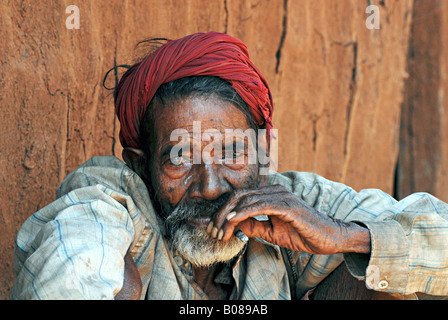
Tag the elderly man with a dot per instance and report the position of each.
(189, 216)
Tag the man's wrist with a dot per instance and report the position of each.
(355, 238)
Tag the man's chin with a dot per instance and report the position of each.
(201, 250)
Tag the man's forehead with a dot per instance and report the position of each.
(200, 109)
(197, 135)
(196, 117)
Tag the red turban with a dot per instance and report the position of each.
(200, 54)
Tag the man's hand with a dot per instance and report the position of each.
(132, 284)
(292, 223)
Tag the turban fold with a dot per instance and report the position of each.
(199, 54)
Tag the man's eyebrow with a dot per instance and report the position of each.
(168, 149)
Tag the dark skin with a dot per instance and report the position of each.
(292, 223)
(132, 284)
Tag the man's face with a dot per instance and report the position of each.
(194, 166)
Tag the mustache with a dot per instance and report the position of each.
(188, 209)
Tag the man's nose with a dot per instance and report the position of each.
(210, 183)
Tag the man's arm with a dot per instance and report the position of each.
(292, 223)
(406, 239)
(132, 283)
(74, 248)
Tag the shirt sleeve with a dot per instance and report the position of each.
(408, 240)
(74, 247)
(408, 237)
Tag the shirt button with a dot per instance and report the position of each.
(383, 284)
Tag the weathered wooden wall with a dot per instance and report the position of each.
(423, 158)
(339, 90)
(338, 87)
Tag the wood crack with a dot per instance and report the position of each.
(226, 19)
(353, 88)
(278, 54)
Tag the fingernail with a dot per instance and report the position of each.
(210, 227)
(231, 215)
(220, 234)
(214, 232)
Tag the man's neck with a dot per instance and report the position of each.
(204, 277)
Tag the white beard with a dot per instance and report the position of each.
(200, 249)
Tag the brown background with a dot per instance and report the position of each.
(364, 107)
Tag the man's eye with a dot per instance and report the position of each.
(236, 154)
(177, 161)
(232, 156)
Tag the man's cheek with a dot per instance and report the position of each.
(246, 178)
(164, 190)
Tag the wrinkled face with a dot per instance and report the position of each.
(198, 158)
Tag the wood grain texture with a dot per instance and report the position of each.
(423, 159)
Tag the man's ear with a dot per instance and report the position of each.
(134, 159)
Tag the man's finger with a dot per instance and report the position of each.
(250, 227)
(245, 198)
(251, 217)
(231, 205)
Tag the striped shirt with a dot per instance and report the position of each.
(74, 247)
